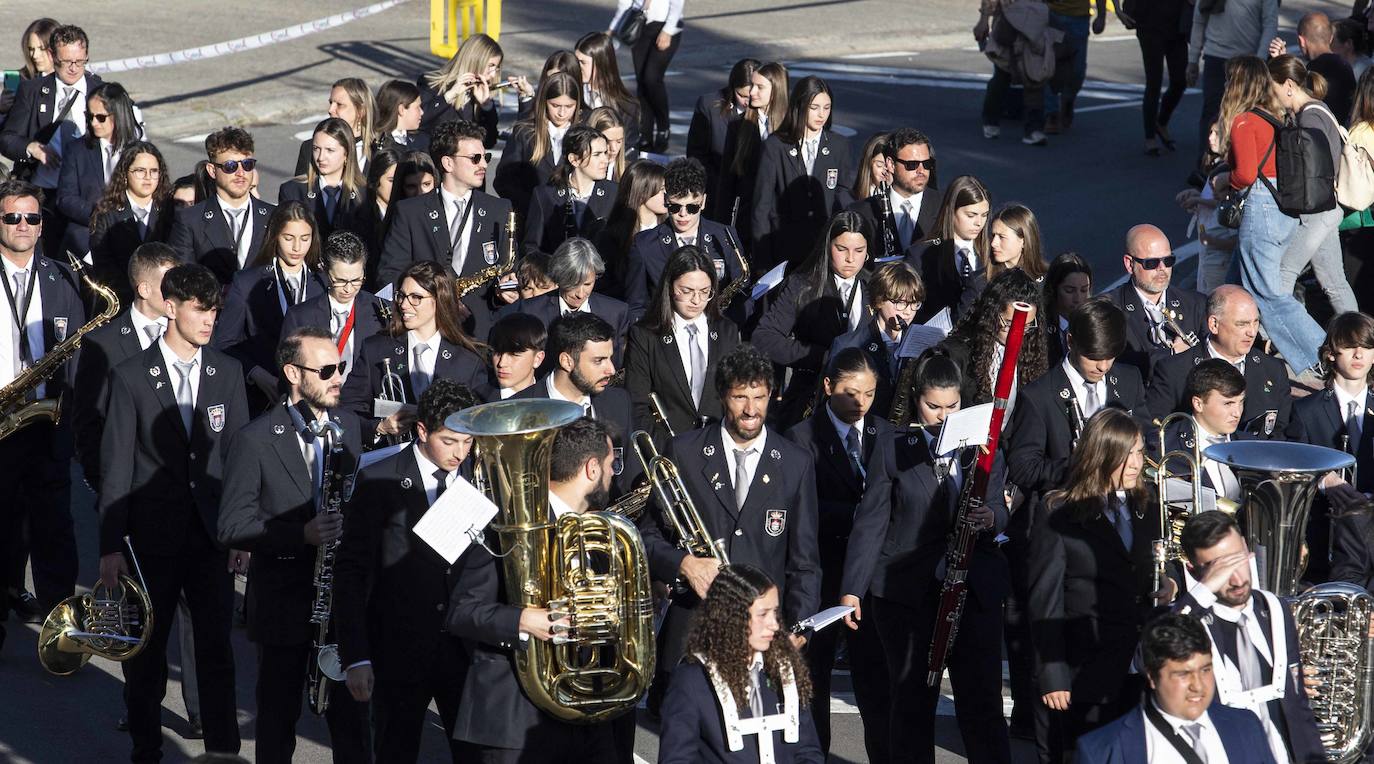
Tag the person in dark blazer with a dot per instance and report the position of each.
(1150, 301)
(721, 699)
(392, 590)
(350, 100)
(756, 493)
(276, 506)
(1068, 284)
(225, 231)
(953, 260)
(913, 198)
(1092, 579)
(423, 343)
(372, 221)
(1178, 713)
(517, 352)
(399, 114)
(1216, 393)
(823, 299)
(894, 295)
(674, 350)
(461, 90)
(712, 116)
(684, 188)
(348, 312)
(332, 187)
(575, 267)
(286, 272)
(135, 208)
(744, 138)
(843, 436)
(803, 177)
(535, 146)
(892, 577)
(29, 126)
(1232, 326)
(172, 412)
(1224, 595)
(456, 225)
(577, 200)
(1352, 536)
(88, 165)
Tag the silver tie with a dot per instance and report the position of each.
(1352, 426)
(185, 400)
(1090, 402)
(242, 241)
(810, 156)
(20, 338)
(1251, 675)
(698, 360)
(69, 95)
(741, 477)
(455, 232)
(423, 374)
(1194, 734)
(340, 319)
(153, 332)
(964, 268)
(907, 224)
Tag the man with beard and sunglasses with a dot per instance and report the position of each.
(913, 197)
(1150, 300)
(223, 233)
(273, 506)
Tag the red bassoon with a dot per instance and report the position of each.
(964, 533)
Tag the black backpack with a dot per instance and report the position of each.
(1306, 169)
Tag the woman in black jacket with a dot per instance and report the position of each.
(639, 206)
(734, 194)
(953, 262)
(714, 113)
(87, 167)
(135, 208)
(577, 199)
(978, 343)
(332, 186)
(535, 146)
(462, 88)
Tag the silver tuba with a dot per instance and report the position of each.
(1333, 632)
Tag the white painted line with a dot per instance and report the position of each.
(1111, 94)
(889, 54)
(313, 119)
(304, 135)
(640, 759)
(192, 139)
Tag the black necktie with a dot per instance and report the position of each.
(442, 477)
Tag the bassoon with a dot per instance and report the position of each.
(964, 533)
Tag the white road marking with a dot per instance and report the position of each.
(313, 119)
(888, 54)
(193, 138)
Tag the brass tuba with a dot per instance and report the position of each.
(1333, 634)
(589, 567)
(112, 624)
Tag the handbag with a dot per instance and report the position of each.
(1232, 210)
(24, 169)
(631, 25)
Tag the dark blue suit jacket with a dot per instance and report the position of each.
(200, 234)
(650, 251)
(315, 312)
(347, 211)
(1123, 741)
(249, 327)
(1141, 351)
(36, 104)
(545, 308)
(79, 187)
(694, 730)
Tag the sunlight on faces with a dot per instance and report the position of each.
(1237, 589)
(577, 295)
(1352, 363)
(745, 408)
(970, 220)
(1184, 689)
(408, 116)
(760, 91)
(592, 369)
(764, 621)
(460, 166)
(190, 321)
(345, 280)
(911, 181)
(851, 396)
(316, 353)
(597, 161)
(588, 67)
(444, 447)
(232, 185)
(684, 221)
(899, 308)
(1234, 331)
(615, 144)
(492, 72)
(657, 203)
(22, 237)
(99, 120)
(39, 57)
(341, 107)
(1007, 245)
(69, 62)
(329, 155)
(1218, 413)
(516, 368)
(561, 110)
(742, 96)
(817, 113)
(691, 293)
(417, 306)
(935, 404)
(143, 177)
(1128, 474)
(1073, 291)
(293, 243)
(848, 253)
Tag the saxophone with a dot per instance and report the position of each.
(324, 654)
(16, 410)
(1333, 637)
(467, 284)
(728, 294)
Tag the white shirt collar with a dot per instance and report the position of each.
(586, 306)
(170, 358)
(1148, 300)
(842, 428)
(450, 199)
(680, 324)
(897, 199)
(401, 136)
(413, 341)
(556, 133)
(1076, 380)
(142, 322)
(555, 394)
(1212, 352)
(1343, 400)
(147, 209)
(731, 445)
(558, 506)
(230, 209)
(79, 86)
(11, 268)
(337, 307)
(427, 470)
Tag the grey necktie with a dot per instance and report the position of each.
(1247, 660)
(1194, 734)
(1090, 402)
(141, 217)
(755, 692)
(185, 399)
(423, 373)
(741, 477)
(153, 331)
(109, 162)
(698, 361)
(20, 340)
(239, 219)
(1156, 316)
(1228, 487)
(810, 150)
(68, 96)
(340, 320)
(907, 224)
(1352, 425)
(851, 447)
(455, 233)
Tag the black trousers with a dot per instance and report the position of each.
(201, 572)
(551, 743)
(282, 670)
(1032, 95)
(650, 66)
(1213, 85)
(38, 494)
(399, 706)
(975, 672)
(1156, 52)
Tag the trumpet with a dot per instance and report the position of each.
(692, 533)
(1171, 318)
(394, 390)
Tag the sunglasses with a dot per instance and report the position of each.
(13, 218)
(1151, 263)
(674, 208)
(233, 165)
(325, 372)
(476, 158)
(912, 164)
(101, 118)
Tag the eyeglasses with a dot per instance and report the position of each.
(145, 172)
(406, 298)
(233, 165)
(101, 118)
(476, 158)
(687, 293)
(1150, 263)
(325, 372)
(912, 164)
(13, 218)
(345, 283)
(73, 63)
(1005, 323)
(904, 304)
(674, 208)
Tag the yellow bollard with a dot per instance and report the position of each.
(453, 21)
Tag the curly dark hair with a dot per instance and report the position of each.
(441, 399)
(979, 331)
(115, 197)
(744, 365)
(684, 177)
(720, 634)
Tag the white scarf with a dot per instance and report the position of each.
(789, 721)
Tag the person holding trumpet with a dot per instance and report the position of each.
(1216, 397)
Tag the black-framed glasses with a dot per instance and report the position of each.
(345, 283)
(101, 118)
(674, 208)
(476, 158)
(233, 165)
(912, 164)
(325, 372)
(75, 62)
(407, 298)
(13, 218)
(905, 304)
(1150, 263)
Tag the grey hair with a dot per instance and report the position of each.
(573, 261)
(1222, 296)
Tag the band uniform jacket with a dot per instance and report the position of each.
(517, 176)
(545, 308)
(365, 381)
(250, 325)
(201, 234)
(653, 364)
(416, 142)
(839, 487)
(420, 231)
(114, 237)
(269, 496)
(792, 206)
(1141, 350)
(547, 224)
(1179, 436)
(869, 338)
(649, 253)
(1267, 398)
(1122, 741)
(871, 210)
(391, 590)
(902, 526)
(157, 484)
(774, 530)
(694, 729)
(437, 110)
(733, 193)
(706, 143)
(1291, 714)
(63, 314)
(348, 210)
(80, 184)
(1352, 548)
(367, 320)
(935, 260)
(611, 406)
(37, 102)
(101, 350)
(1089, 596)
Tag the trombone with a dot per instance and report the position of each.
(1174, 514)
(692, 533)
(632, 504)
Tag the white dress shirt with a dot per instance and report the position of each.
(460, 251)
(141, 212)
(558, 506)
(77, 115)
(970, 254)
(33, 323)
(1212, 353)
(585, 307)
(169, 358)
(667, 11)
(431, 483)
(1158, 750)
(1343, 400)
(585, 401)
(681, 339)
(1224, 481)
(245, 218)
(1077, 382)
(751, 462)
(896, 200)
(109, 157)
(141, 324)
(556, 140)
(855, 304)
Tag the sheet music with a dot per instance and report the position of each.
(1181, 491)
(383, 408)
(916, 339)
(385, 292)
(942, 321)
(965, 427)
(452, 523)
(768, 280)
(377, 454)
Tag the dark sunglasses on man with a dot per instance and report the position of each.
(13, 218)
(1150, 263)
(674, 208)
(325, 372)
(233, 165)
(912, 164)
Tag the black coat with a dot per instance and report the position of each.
(80, 185)
(516, 175)
(1267, 397)
(158, 485)
(63, 313)
(651, 249)
(101, 350)
(1352, 549)
(348, 210)
(201, 234)
(364, 381)
(303, 156)
(268, 498)
(548, 224)
(791, 207)
(611, 406)
(734, 191)
(706, 143)
(250, 324)
(653, 364)
(367, 320)
(871, 210)
(417, 141)
(945, 287)
(545, 308)
(838, 488)
(436, 111)
(419, 231)
(115, 236)
(1141, 351)
(694, 730)
(869, 338)
(36, 104)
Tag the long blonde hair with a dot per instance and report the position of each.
(1247, 87)
(352, 176)
(361, 97)
(471, 58)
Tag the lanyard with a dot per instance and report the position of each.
(25, 349)
(282, 292)
(347, 328)
(1184, 749)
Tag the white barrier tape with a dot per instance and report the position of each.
(244, 43)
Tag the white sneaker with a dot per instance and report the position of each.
(1036, 138)
(991, 131)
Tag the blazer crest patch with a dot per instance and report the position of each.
(775, 522)
(215, 414)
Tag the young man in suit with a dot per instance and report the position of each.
(172, 410)
(1255, 652)
(497, 723)
(274, 505)
(42, 308)
(350, 313)
(1149, 300)
(1178, 718)
(1216, 397)
(457, 224)
(913, 196)
(1232, 326)
(895, 292)
(224, 233)
(392, 590)
(517, 351)
(575, 267)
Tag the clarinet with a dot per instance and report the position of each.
(889, 232)
(569, 215)
(1075, 419)
(324, 654)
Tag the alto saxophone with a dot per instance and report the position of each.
(467, 284)
(325, 666)
(16, 410)
(728, 294)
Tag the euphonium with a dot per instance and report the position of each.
(590, 567)
(112, 624)
(1333, 635)
(467, 284)
(324, 655)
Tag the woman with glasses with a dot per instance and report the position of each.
(89, 164)
(952, 261)
(895, 293)
(349, 312)
(349, 100)
(285, 272)
(423, 342)
(535, 147)
(577, 199)
(135, 208)
(333, 184)
(674, 348)
(978, 343)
